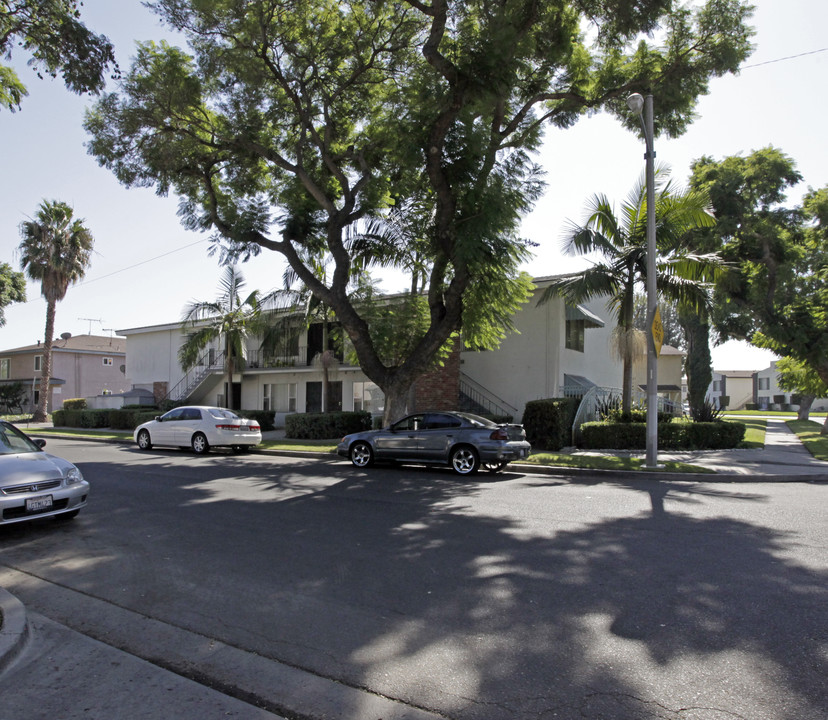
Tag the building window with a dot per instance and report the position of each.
(38, 363)
(575, 335)
(279, 397)
(5, 368)
(108, 362)
(717, 386)
(368, 397)
(764, 383)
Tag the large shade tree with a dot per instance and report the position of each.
(776, 294)
(620, 241)
(57, 41)
(289, 121)
(56, 250)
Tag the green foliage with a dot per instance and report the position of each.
(81, 418)
(130, 418)
(795, 376)
(548, 423)
(75, 404)
(706, 411)
(777, 292)
(282, 139)
(263, 417)
(58, 42)
(11, 396)
(671, 435)
(12, 289)
(323, 426)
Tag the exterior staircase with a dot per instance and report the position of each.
(194, 377)
(475, 398)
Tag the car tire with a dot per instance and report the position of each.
(199, 444)
(361, 454)
(495, 467)
(464, 460)
(144, 440)
(240, 449)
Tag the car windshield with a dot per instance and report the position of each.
(12, 441)
(222, 414)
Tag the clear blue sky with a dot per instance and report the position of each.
(147, 267)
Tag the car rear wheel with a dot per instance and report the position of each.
(496, 467)
(361, 454)
(464, 460)
(199, 444)
(144, 441)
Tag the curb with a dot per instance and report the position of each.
(14, 629)
(530, 469)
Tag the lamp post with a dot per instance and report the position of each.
(643, 107)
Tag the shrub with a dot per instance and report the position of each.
(74, 404)
(131, 418)
(751, 406)
(264, 417)
(724, 401)
(717, 435)
(325, 426)
(548, 423)
(81, 418)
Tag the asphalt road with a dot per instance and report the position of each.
(493, 598)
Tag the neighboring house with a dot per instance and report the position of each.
(731, 389)
(558, 350)
(82, 366)
(670, 373)
(769, 396)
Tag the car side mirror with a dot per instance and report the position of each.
(40, 442)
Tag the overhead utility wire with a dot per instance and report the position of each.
(790, 57)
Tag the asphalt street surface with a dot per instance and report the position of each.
(497, 597)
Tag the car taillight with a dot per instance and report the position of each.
(227, 427)
(499, 434)
(254, 428)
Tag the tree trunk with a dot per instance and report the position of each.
(41, 413)
(805, 403)
(698, 364)
(824, 430)
(396, 403)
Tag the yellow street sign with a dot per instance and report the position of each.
(658, 331)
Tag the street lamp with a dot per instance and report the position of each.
(643, 107)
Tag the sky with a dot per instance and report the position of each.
(146, 267)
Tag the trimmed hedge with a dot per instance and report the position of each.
(129, 419)
(548, 423)
(265, 418)
(325, 426)
(75, 404)
(81, 418)
(718, 435)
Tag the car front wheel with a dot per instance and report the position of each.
(200, 444)
(144, 441)
(361, 454)
(464, 460)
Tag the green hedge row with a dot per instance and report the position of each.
(325, 426)
(717, 435)
(548, 423)
(131, 418)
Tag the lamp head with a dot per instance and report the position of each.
(635, 102)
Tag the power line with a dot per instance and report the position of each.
(789, 57)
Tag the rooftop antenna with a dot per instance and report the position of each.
(91, 320)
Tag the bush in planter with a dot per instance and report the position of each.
(75, 404)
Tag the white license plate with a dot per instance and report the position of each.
(39, 503)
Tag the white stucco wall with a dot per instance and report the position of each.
(531, 364)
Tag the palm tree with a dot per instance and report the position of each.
(227, 318)
(56, 250)
(621, 240)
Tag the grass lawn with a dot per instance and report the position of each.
(808, 432)
(754, 432)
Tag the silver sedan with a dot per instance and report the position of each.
(35, 484)
(461, 440)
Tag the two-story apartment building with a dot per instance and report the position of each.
(557, 350)
(82, 366)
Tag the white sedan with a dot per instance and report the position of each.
(200, 428)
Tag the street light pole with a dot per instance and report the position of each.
(639, 104)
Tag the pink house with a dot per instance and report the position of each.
(82, 366)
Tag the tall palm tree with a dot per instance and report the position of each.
(621, 241)
(228, 318)
(56, 251)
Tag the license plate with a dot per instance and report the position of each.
(39, 503)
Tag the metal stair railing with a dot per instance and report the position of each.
(480, 400)
(194, 377)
